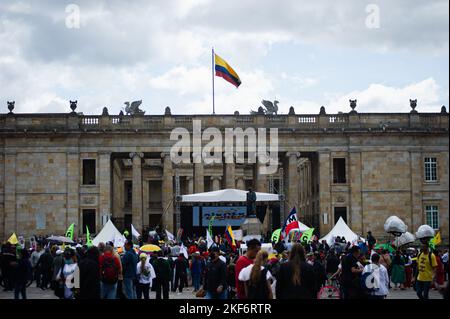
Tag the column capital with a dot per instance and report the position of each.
(133, 154)
(296, 154)
(216, 178)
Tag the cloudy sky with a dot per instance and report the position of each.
(302, 53)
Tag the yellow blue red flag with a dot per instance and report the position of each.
(224, 70)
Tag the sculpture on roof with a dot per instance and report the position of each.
(133, 109)
(268, 108)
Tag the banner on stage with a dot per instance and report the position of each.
(223, 216)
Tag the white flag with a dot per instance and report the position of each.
(170, 236)
(209, 240)
(184, 251)
(134, 232)
(119, 240)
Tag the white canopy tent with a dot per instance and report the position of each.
(341, 229)
(110, 233)
(227, 195)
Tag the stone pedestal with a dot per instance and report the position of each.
(252, 226)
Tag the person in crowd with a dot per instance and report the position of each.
(146, 274)
(324, 246)
(351, 273)
(231, 282)
(196, 270)
(90, 275)
(426, 267)
(57, 264)
(386, 261)
(440, 272)
(8, 257)
(162, 272)
(445, 262)
(109, 270)
(44, 268)
(67, 272)
(378, 280)
(129, 262)
(295, 278)
(253, 247)
(22, 271)
(398, 276)
(371, 241)
(180, 273)
(320, 275)
(408, 270)
(35, 255)
(257, 278)
(215, 283)
(332, 263)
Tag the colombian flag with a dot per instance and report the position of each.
(225, 71)
(230, 237)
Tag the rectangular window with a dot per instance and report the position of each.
(128, 187)
(339, 171)
(89, 220)
(430, 169)
(432, 214)
(89, 172)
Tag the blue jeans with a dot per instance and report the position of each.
(108, 291)
(422, 289)
(196, 281)
(221, 296)
(129, 288)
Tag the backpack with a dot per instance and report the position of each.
(109, 271)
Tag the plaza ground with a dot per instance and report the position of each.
(36, 293)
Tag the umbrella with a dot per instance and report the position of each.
(150, 248)
(386, 246)
(61, 239)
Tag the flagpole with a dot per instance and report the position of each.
(212, 71)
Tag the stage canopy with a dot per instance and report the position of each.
(342, 230)
(227, 195)
(110, 233)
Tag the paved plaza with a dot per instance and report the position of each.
(36, 293)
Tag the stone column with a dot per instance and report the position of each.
(10, 221)
(230, 172)
(199, 178)
(73, 193)
(215, 182)
(355, 214)
(240, 183)
(292, 182)
(190, 181)
(325, 192)
(136, 203)
(167, 193)
(105, 188)
(262, 184)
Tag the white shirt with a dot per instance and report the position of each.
(381, 279)
(149, 276)
(244, 275)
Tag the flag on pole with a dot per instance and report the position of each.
(170, 236)
(225, 71)
(306, 236)
(211, 221)
(69, 232)
(290, 224)
(230, 237)
(209, 240)
(88, 237)
(276, 235)
(134, 232)
(184, 251)
(436, 240)
(13, 239)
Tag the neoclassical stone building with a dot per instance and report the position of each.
(58, 169)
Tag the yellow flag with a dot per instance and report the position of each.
(13, 239)
(437, 239)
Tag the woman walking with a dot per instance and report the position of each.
(295, 277)
(257, 277)
(398, 276)
(146, 274)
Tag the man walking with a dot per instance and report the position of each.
(109, 266)
(162, 271)
(129, 263)
(426, 266)
(215, 283)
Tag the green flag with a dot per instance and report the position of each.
(88, 237)
(276, 235)
(69, 232)
(306, 236)
(210, 225)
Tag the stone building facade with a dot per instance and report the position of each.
(58, 169)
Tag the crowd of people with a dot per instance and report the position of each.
(290, 271)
